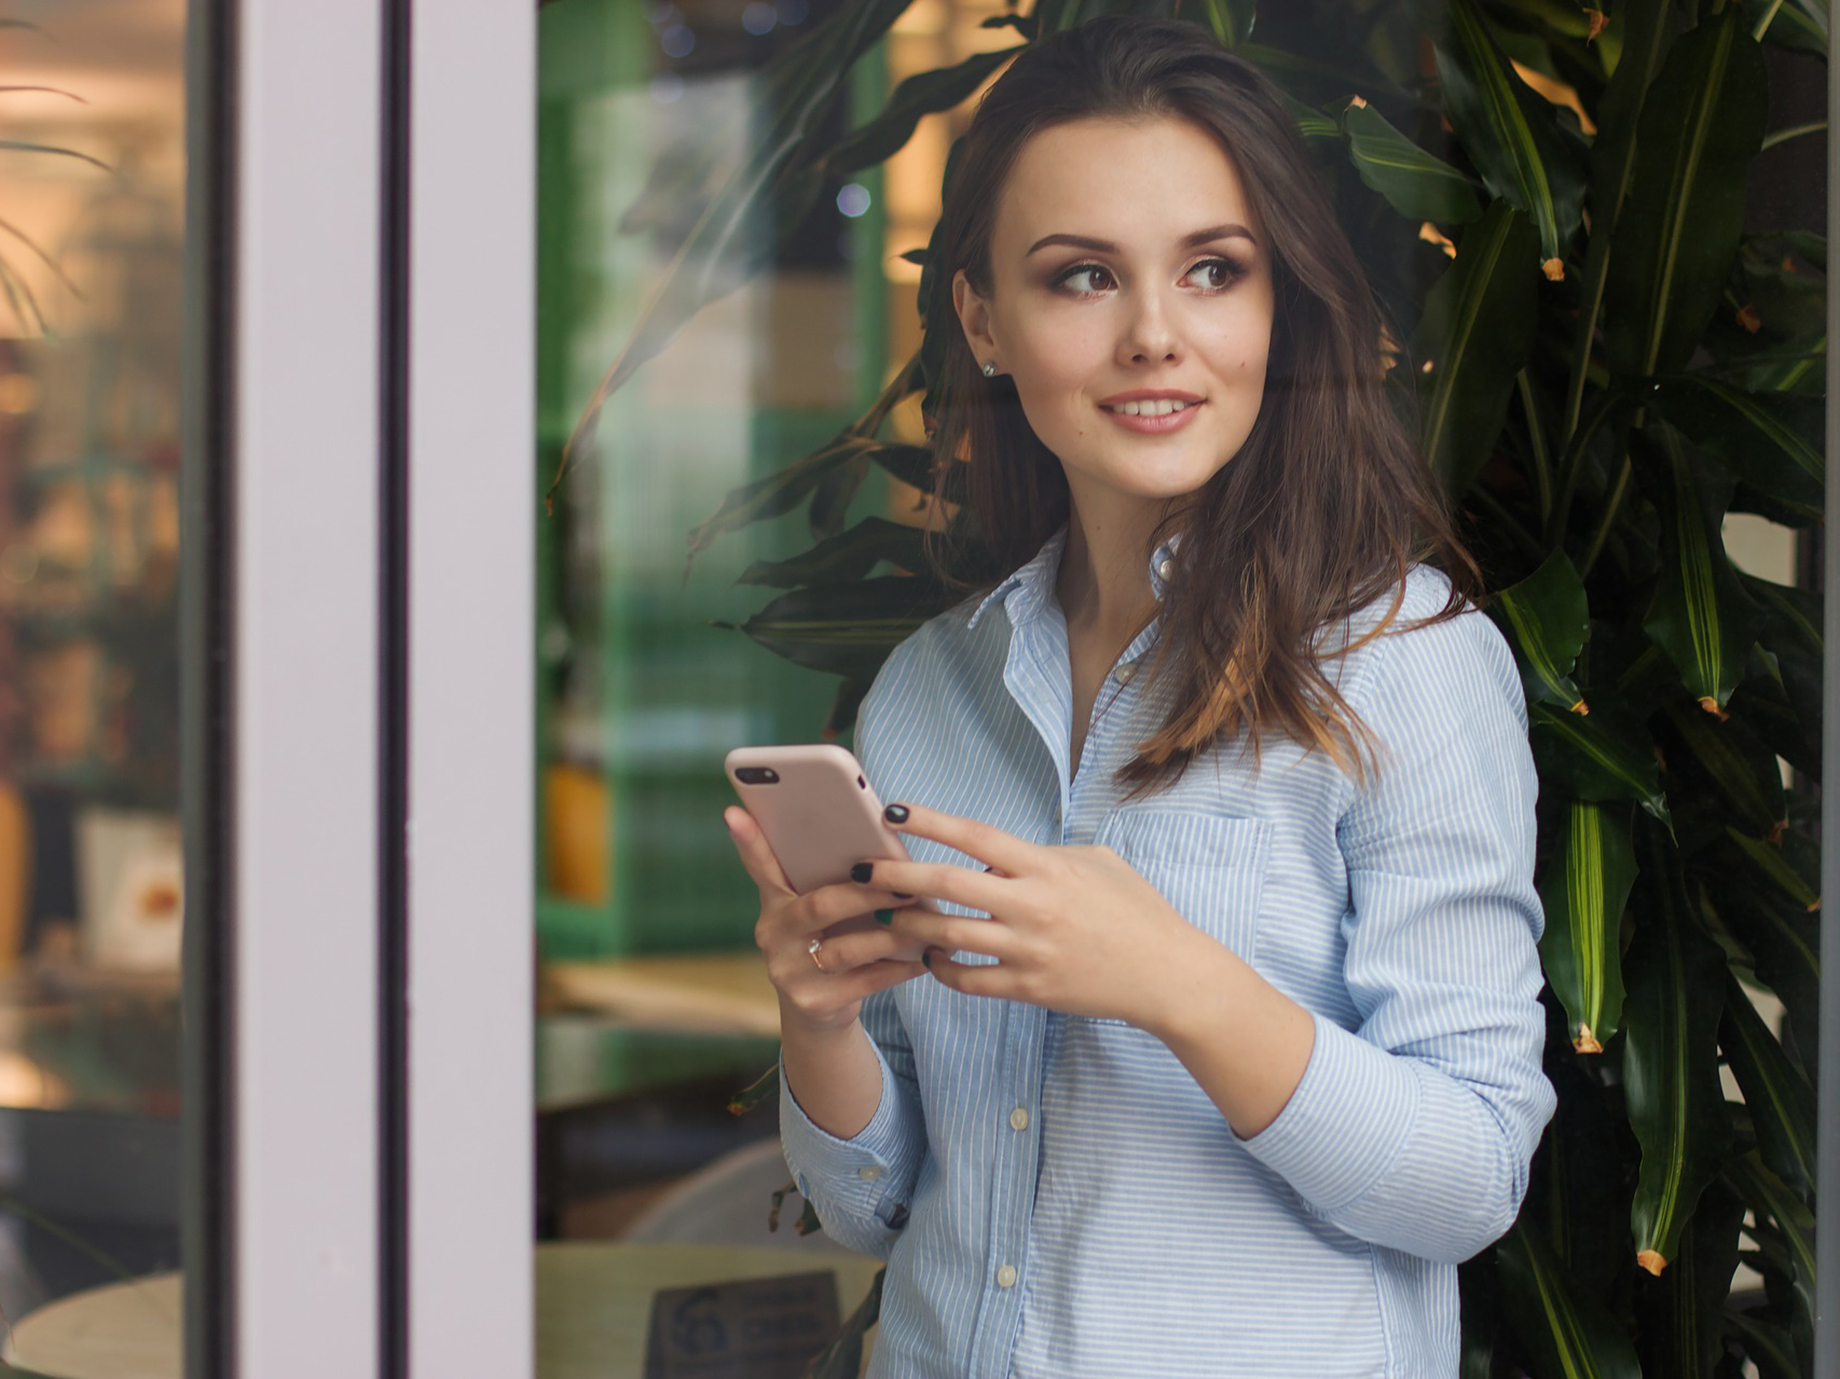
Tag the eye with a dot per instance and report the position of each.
(1216, 275)
(1085, 279)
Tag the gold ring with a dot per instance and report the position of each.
(816, 949)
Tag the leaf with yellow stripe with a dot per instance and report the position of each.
(1510, 132)
(1548, 619)
(1670, 1059)
(1569, 1334)
(1675, 241)
(1701, 616)
(1584, 889)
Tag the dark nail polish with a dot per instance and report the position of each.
(884, 916)
(895, 813)
(861, 872)
(926, 959)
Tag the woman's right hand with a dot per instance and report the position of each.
(859, 955)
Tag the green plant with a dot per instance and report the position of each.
(1608, 364)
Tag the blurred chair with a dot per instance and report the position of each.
(727, 1203)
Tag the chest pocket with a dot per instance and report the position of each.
(1210, 870)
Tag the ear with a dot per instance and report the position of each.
(974, 316)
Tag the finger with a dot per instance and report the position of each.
(973, 979)
(828, 906)
(991, 846)
(823, 995)
(756, 854)
(860, 948)
(955, 933)
(975, 890)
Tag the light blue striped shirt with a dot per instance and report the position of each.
(1055, 1195)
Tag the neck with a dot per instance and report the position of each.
(1104, 583)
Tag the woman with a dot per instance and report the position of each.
(1226, 1049)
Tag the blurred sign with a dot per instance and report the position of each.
(761, 1328)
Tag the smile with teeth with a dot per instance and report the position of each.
(1155, 407)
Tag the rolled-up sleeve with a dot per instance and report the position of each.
(1415, 1129)
(861, 1186)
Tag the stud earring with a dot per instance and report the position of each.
(990, 370)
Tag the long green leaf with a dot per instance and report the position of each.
(779, 492)
(1571, 1335)
(1645, 39)
(1670, 1065)
(1680, 1321)
(1584, 889)
(926, 93)
(1475, 335)
(846, 629)
(1548, 620)
(1780, 1100)
(1603, 757)
(1769, 1197)
(1509, 131)
(1769, 860)
(1772, 440)
(1737, 765)
(1701, 616)
(846, 556)
(1414, 183)
(1678, 234)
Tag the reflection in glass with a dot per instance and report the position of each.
(90, 886)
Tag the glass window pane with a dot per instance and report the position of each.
(90, 884)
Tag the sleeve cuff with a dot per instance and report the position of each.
(1345, 1125)
(867, 1176)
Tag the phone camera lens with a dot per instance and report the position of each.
(757, 775)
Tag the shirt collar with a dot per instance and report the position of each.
(1033, 584)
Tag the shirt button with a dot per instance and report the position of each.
(1165, 569)
(1124, 672)
(1019, 1118)
(869, 1174)
(1006, 1276)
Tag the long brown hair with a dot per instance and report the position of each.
(1324, 508)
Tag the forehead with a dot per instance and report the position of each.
(1128, 181)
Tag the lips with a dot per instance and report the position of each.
(1151, 411)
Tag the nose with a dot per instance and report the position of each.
(1148, 336)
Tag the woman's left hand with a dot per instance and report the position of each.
(1074, 929)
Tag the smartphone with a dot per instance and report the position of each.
(816, 808)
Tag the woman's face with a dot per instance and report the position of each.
(1131, 304)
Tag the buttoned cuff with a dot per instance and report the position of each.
(868, 1177)
(1345, 1125)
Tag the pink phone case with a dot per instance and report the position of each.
(816, 808)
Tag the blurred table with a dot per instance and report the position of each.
(703, 993)
(593, 1303)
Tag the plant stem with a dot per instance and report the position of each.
(1536, 433)
(1782, 136)
(1763, 24)
(1573, 464)
(1611, 509)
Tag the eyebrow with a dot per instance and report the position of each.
(1102, 246)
